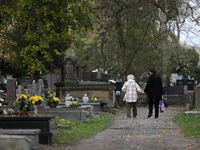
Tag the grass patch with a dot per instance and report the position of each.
(190, 124)
(178, 105)
(71, 131)
(122, 109)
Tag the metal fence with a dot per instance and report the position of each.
(176, 100)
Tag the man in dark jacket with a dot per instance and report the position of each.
(154, 90)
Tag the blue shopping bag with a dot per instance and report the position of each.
(165, 103)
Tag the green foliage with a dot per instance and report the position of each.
(87, 52)
(42, 30)
(189, 124)
(183, 61)
(72, 131)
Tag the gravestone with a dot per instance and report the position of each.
(20, 90)
(190, 84)
(40, 87)
(26, 91)
(30, 89)
(11, 92)
(35, 88)
(180, 82)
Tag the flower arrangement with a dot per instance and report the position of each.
(3, 96)
(94, 99)
(1, 110)
(36, 100)
(112, 83)
(51, 98)
(75, 104)
(23, 102)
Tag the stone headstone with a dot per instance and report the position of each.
(20, 90)
(11, 92)
(40, 87)
(30, 89)
(187, 107)
(26, 91)
(35, 89)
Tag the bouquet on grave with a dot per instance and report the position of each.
(23, 102)
(36, 100)
(3, 96)
(51, 98)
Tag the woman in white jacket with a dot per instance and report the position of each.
(131, 88)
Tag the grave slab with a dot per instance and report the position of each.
(31, 134)
(192, 112)
(14, 142)
(32, 122)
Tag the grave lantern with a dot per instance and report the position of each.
(85, 98)
(68, 100)
(198, 74)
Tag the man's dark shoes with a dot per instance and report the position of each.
(149, 116)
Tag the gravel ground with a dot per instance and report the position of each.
(141, 133)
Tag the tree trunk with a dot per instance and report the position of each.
(35, 76)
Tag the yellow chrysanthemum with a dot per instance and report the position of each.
(1, 91)
(24, 96)
(75, 102)
(95, 99)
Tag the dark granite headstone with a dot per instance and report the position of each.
(11, 92)
(190, 84)
(180, 82)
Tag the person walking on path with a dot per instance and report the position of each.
(154, 90)
(131, 88)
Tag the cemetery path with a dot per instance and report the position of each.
(142, 133)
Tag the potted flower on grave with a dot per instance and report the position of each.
(1, 111)
(24, 104)
(36, 100)
(53, 102)
(94, 99)
(3, 97)
(75, 103)
(112, 83)
(50, 98)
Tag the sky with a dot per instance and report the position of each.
(192, 35)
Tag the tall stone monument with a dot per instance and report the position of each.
(69, 84)
(11, 92)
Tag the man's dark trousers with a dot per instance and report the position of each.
(156, 103)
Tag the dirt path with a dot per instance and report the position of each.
(142, 133)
